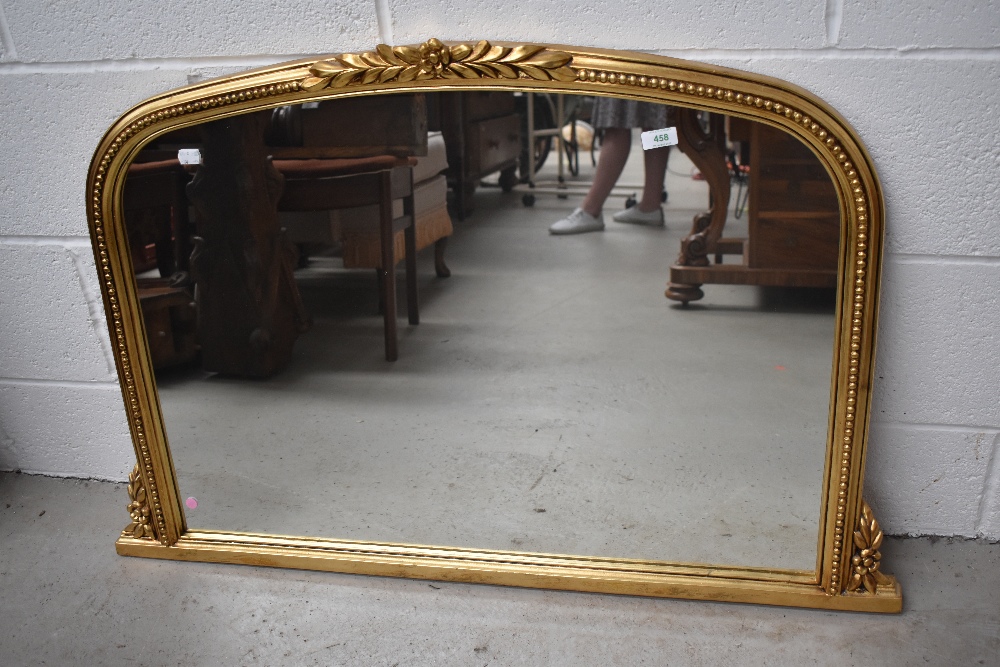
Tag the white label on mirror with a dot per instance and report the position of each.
(189, 156)
(659, 138)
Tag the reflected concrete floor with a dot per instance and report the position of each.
(551, 400)
(67, 599)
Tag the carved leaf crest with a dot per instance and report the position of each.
(866, 561)
(138, 507)
(434, 60)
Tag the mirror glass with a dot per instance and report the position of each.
(551, 398)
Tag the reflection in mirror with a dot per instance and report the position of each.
(543, 396)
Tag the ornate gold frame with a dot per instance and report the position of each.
(847, 574)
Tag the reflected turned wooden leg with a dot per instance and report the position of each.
(388, 268)
(412, 307)
(440, 268)
(378, 287)
(410, 237)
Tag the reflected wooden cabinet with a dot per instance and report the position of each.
(793, 209)
(793, 218)
(482, 131)
(351, 128)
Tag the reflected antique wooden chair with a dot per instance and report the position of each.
(334, 184)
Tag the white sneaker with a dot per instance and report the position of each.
(634, 216)
(578, 222)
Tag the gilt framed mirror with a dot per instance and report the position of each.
(671, 409)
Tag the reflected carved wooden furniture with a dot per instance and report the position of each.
(794, 214)
(324, 185)
(249, 308)
(156, 217)
(482, 131)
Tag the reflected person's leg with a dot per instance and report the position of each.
(655, 163)
(649, 210)
(614, 153)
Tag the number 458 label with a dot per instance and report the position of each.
(659, 138)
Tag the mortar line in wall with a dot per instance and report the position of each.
(181, 64)
(954, 428)
(96, 310)
(384, 17)
(991, 489)
(146, 64)
(61, 384)
(837, 53)
(73, 476)
(834, 18)
(6, 38)
(916, 258)
(64, 241)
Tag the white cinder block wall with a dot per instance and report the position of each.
(916, 78)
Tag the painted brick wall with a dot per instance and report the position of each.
(916, 78)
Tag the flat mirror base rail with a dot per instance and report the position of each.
(789, 588)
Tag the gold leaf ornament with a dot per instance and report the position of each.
(138, 507)
(408, 54)
(522, 53)
(506, 71)
(551, 60)
(322, 68)
(480, 49)
(460, 51)
(495, 53)
(867, 557)
(386, 53)
(353, 61)
(434, 60)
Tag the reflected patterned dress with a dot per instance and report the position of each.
(614, 112)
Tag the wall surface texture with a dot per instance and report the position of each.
(917, 79)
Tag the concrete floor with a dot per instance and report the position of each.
(67, 599)
(551, 400)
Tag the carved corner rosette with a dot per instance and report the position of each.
(435, 60)
(138, 508)
(867, 558)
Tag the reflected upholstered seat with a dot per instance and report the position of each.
(347, 183)
(355, 230)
